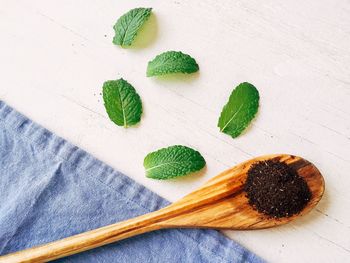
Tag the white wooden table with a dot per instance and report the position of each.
(55, 56)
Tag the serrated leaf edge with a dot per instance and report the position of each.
(125, 124)
(148, 74)
(169, 163)
(226, 105)
(132, 39)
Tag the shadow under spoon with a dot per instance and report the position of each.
(221, 203)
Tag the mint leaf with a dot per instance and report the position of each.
(122, 103)
(129, 24)
(240, 109)
(171, 62)
(172, 162)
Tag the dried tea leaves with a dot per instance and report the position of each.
(275, 189)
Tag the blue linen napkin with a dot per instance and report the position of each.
(51, 189)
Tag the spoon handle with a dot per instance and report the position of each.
(87, 240)
(166, 217)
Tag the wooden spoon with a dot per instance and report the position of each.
(220, 203)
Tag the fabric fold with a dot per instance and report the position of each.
(51, 189)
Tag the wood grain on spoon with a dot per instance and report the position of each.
(221, 203)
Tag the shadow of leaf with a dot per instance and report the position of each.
(147, 34)
(177, 78)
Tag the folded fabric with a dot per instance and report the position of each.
(51, 189)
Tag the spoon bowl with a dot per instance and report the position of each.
(221, 203)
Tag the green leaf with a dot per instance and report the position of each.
(171, 62)
(172, 162)
(240, 110)
(122, 103)
(129, 24)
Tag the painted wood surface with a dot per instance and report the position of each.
(55, 56)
